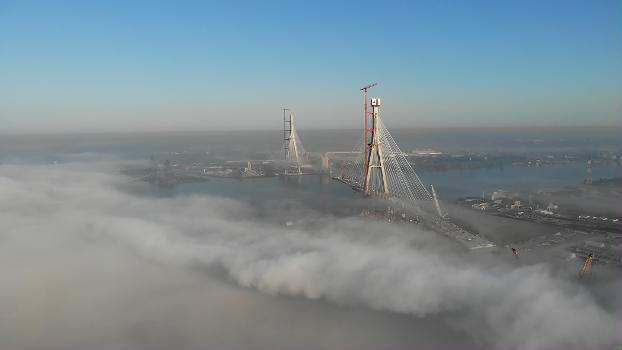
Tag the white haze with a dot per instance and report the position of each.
(87, 262)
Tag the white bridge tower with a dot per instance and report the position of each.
(292, 147)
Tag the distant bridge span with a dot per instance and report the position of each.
(327, 156)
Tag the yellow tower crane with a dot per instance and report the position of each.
(586, 266)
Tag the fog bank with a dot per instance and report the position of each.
(88, 262)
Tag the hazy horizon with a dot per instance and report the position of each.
(78, 67)
(587, 127)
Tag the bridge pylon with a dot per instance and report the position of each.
(384, 170)
(292, 147)
(374, 162)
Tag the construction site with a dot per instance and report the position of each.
(379, 170)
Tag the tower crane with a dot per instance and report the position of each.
(586, 266)
(515, 252)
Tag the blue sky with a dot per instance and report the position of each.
(132, 66)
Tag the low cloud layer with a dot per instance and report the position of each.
(86, 261)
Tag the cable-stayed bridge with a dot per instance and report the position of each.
(377, 167)
(293, 151)
(382, 169)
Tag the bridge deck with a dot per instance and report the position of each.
(446, 227)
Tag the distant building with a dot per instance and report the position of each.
(544, 212)
(552, 206)
(499, 194)
(480, 206)
(426, 153)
